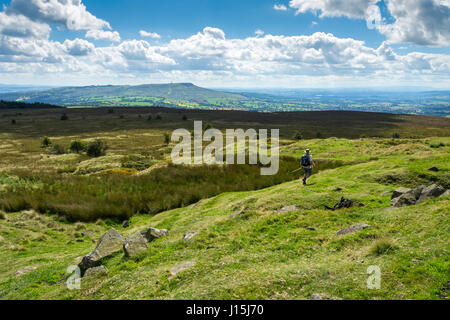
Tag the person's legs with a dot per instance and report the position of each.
(308, 173)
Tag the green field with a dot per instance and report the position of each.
(247, 247)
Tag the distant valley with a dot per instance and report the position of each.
(190, 96)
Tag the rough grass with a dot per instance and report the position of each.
(261, 253)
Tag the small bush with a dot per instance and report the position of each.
(57, 149)
(166, 138)
(396, 135)
(77, 146)
(382, 247)
(319, 135)
(64, 117)
(159, 116)
(298, 136)
(46, 142)
(437, 145)
(96, 148)
(13, 121)
(2, 215)
(185, 118)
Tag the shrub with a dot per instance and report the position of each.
(57, 149)
(159, 116)
(64, 117)
(437, 145)
(13, 121)
(96, 148)
(46, 142)
(185, 118)
(382, 247)
(298, 136)
(166, 138)
(319, 135)
(396, 135)
(77, 146)
(2, 215)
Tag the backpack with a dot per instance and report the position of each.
(306, 160)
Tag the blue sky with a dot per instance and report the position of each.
(305, 43)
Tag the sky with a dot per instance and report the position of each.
(227, 43)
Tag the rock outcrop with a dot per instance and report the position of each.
(101, 270)
(135, 244)
(353, 229)
(402, 197)
(110, 243)
(188, 236)
(153, 233)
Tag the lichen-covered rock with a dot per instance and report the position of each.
(399, 192)
(407, 199)
(189, 236)
(111, 242)
(101, 270)
(153, 233)
(352, 229)
(135, 244)
(431, 192)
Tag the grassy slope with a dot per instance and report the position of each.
(262, 253)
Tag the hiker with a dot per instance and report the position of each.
(308, 165)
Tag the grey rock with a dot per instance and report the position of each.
(135, 244)
(316, 296)
(236, 214)
(431, 192)
(88, 234)
(407, 199)
(24, 271)
(110, 243)
(353, 229)
(153, 233)
(447, 193)
(101, 270)
(181, 267)
(125, 224)
(418, 191)
(386, 193)
(288, 209)
(399, 192)
(189, 236)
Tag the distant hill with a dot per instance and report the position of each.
(144, 95)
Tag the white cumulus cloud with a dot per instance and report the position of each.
(113, 36)
(147, 34)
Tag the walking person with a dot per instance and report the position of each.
(307, 165)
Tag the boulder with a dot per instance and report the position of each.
(189, 236)
(110, 243)
(24, 271)
(125, 224)
(399, 192)
(288, 209)
(407, 199)
(135, 244)
(431, 192)
(352, 229)
(101, 270)
(418, 191)
(153, 233)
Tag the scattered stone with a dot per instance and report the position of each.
(434, 169)
(181, 267)
(344, 203)
(430, 192)
(125, 224)
(407, 199)
(288, 209)
(399, 192)
(24, 271)
(316, 296)
(236, 214)
(110, 243)
(101, 270)
(88, 234)
(338, 189)
(386, 193)
(135, 244)
(153, 233)
(353, 229)
(189, 236)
